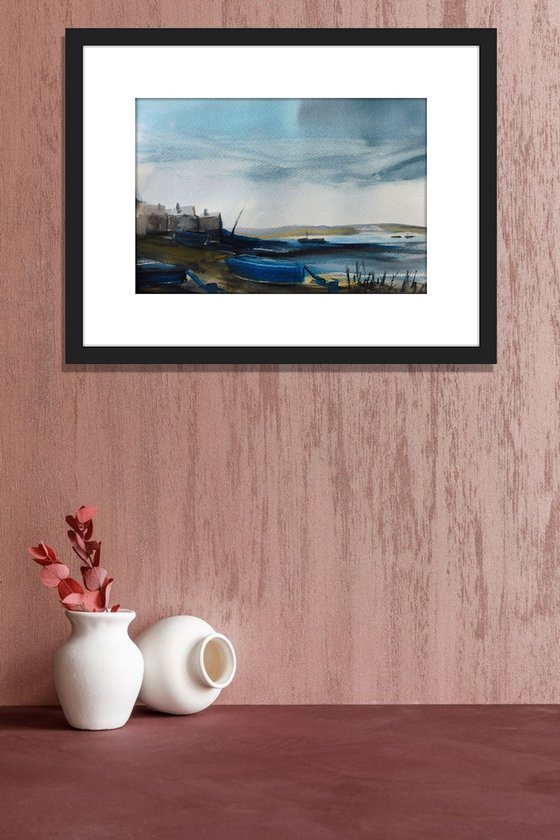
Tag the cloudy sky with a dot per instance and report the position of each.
(286, 161)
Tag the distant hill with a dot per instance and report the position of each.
(329, 230)
(395, 228)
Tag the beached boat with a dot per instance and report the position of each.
(154, 273)
(263, 270)
(226, 240)
(314, 240)
(209, 288)
(197, 239)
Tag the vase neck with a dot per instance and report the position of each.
(87, 623)
(217, 661)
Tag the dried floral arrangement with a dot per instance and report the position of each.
(93, 596)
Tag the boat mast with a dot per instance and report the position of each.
(235, 225)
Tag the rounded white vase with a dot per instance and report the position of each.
(186, 665)
(98, 670)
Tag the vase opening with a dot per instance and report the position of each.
(217, 660)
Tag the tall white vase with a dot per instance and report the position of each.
(186, 665)
(98, 670)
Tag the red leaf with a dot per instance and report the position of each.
(43, 554)
(116, 608)
(92, 545)
(85, 514)
(88, 530)
(53, 574)
(80, 556)
(77, 540)
(74, 601)
(94, 601)
(95, 578)
(107, 592)
(69, 586)
(78, 545)
(39, 555)
(70, 520)
(51, 553)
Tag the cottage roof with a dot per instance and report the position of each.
(185, 210)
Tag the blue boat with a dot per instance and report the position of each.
(263, 270)
(154, 273)
(209, 288)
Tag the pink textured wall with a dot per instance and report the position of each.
(364, 535)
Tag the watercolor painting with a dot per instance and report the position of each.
(262, 196)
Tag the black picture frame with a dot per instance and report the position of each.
(75, 350)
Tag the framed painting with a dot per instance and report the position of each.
(281, 197)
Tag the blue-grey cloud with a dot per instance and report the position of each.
(330, 141)
(406, 170)
(269, 172)
(377, 121)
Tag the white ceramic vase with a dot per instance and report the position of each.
(98, 670)
(186, 665)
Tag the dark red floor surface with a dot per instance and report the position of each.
(382, 772)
